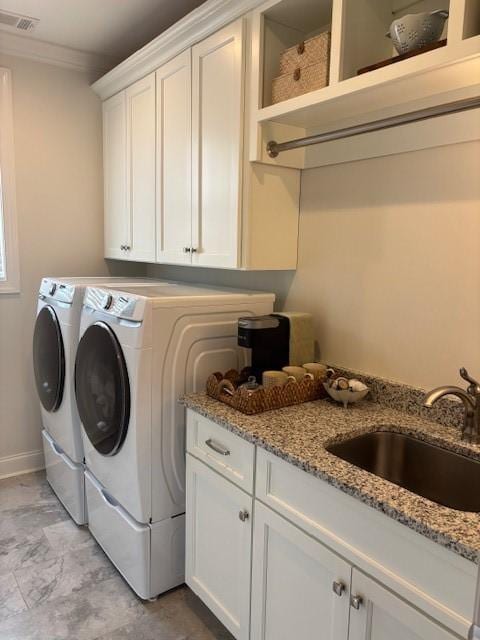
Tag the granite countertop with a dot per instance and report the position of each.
(299, 435)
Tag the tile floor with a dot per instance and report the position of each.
(57, 584)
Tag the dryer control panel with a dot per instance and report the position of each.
(56, 290)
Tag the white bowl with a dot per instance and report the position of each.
(417, 30)
(345, 396)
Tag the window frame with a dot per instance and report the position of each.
(11, 284)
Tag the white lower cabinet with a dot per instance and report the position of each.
(378, 614)
(305, 570)
(300, 589)
(218, 545)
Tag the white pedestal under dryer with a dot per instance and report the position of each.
(55, 343)
(140, 350)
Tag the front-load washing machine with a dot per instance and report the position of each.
(55, 342)
(140, 350)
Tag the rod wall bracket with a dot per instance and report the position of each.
(272, 149)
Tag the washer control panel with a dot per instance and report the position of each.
(115, 303)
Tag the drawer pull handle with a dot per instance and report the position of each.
(356, 602)
(218, 448)
(244, 515)
(338, 588)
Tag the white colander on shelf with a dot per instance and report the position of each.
(417, 30)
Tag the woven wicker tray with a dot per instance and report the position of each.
(264, 399)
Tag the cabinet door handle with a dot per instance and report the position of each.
(194, 250)
(218, 448)
(244, 515)
(356, 602)
(122, 247)
(186, 249)
(127, 247)
(338, 588)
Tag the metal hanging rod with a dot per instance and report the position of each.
(274, 148)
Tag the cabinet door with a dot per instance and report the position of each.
(218, 545)
(174, 160)
(218, 76)
(115, 175)
(141, 169)
(300, 589)
(380, 615)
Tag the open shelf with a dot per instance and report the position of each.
(471, 21)
(366, 23)
(286, 24)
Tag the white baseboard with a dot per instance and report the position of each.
(21, 463)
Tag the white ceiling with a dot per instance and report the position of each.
(113, 28)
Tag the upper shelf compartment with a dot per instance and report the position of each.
(365, 27)
(294, 26)
(358, 39)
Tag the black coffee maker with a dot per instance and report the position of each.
(268, 338)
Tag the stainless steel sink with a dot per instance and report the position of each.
(438, 474)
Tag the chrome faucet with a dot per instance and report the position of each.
(471, 402)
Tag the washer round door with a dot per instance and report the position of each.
(102, 388)
(48, 359)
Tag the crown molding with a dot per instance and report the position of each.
(194, 27)
(48, 53)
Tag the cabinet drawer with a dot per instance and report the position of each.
(434, 579)
(222, 450)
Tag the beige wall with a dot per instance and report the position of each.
(57, 128)
(390, 263)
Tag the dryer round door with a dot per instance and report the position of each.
(48, 359)
(102, 388)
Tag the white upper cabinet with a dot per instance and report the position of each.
(115, 175)
(129, 172)
(174, 161)
(218, 75)
(179, 188)
(141, 169)
(245, 215)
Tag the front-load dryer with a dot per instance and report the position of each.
(140, 350)
(55, 341)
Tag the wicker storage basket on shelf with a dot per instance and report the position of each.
(303, 68)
